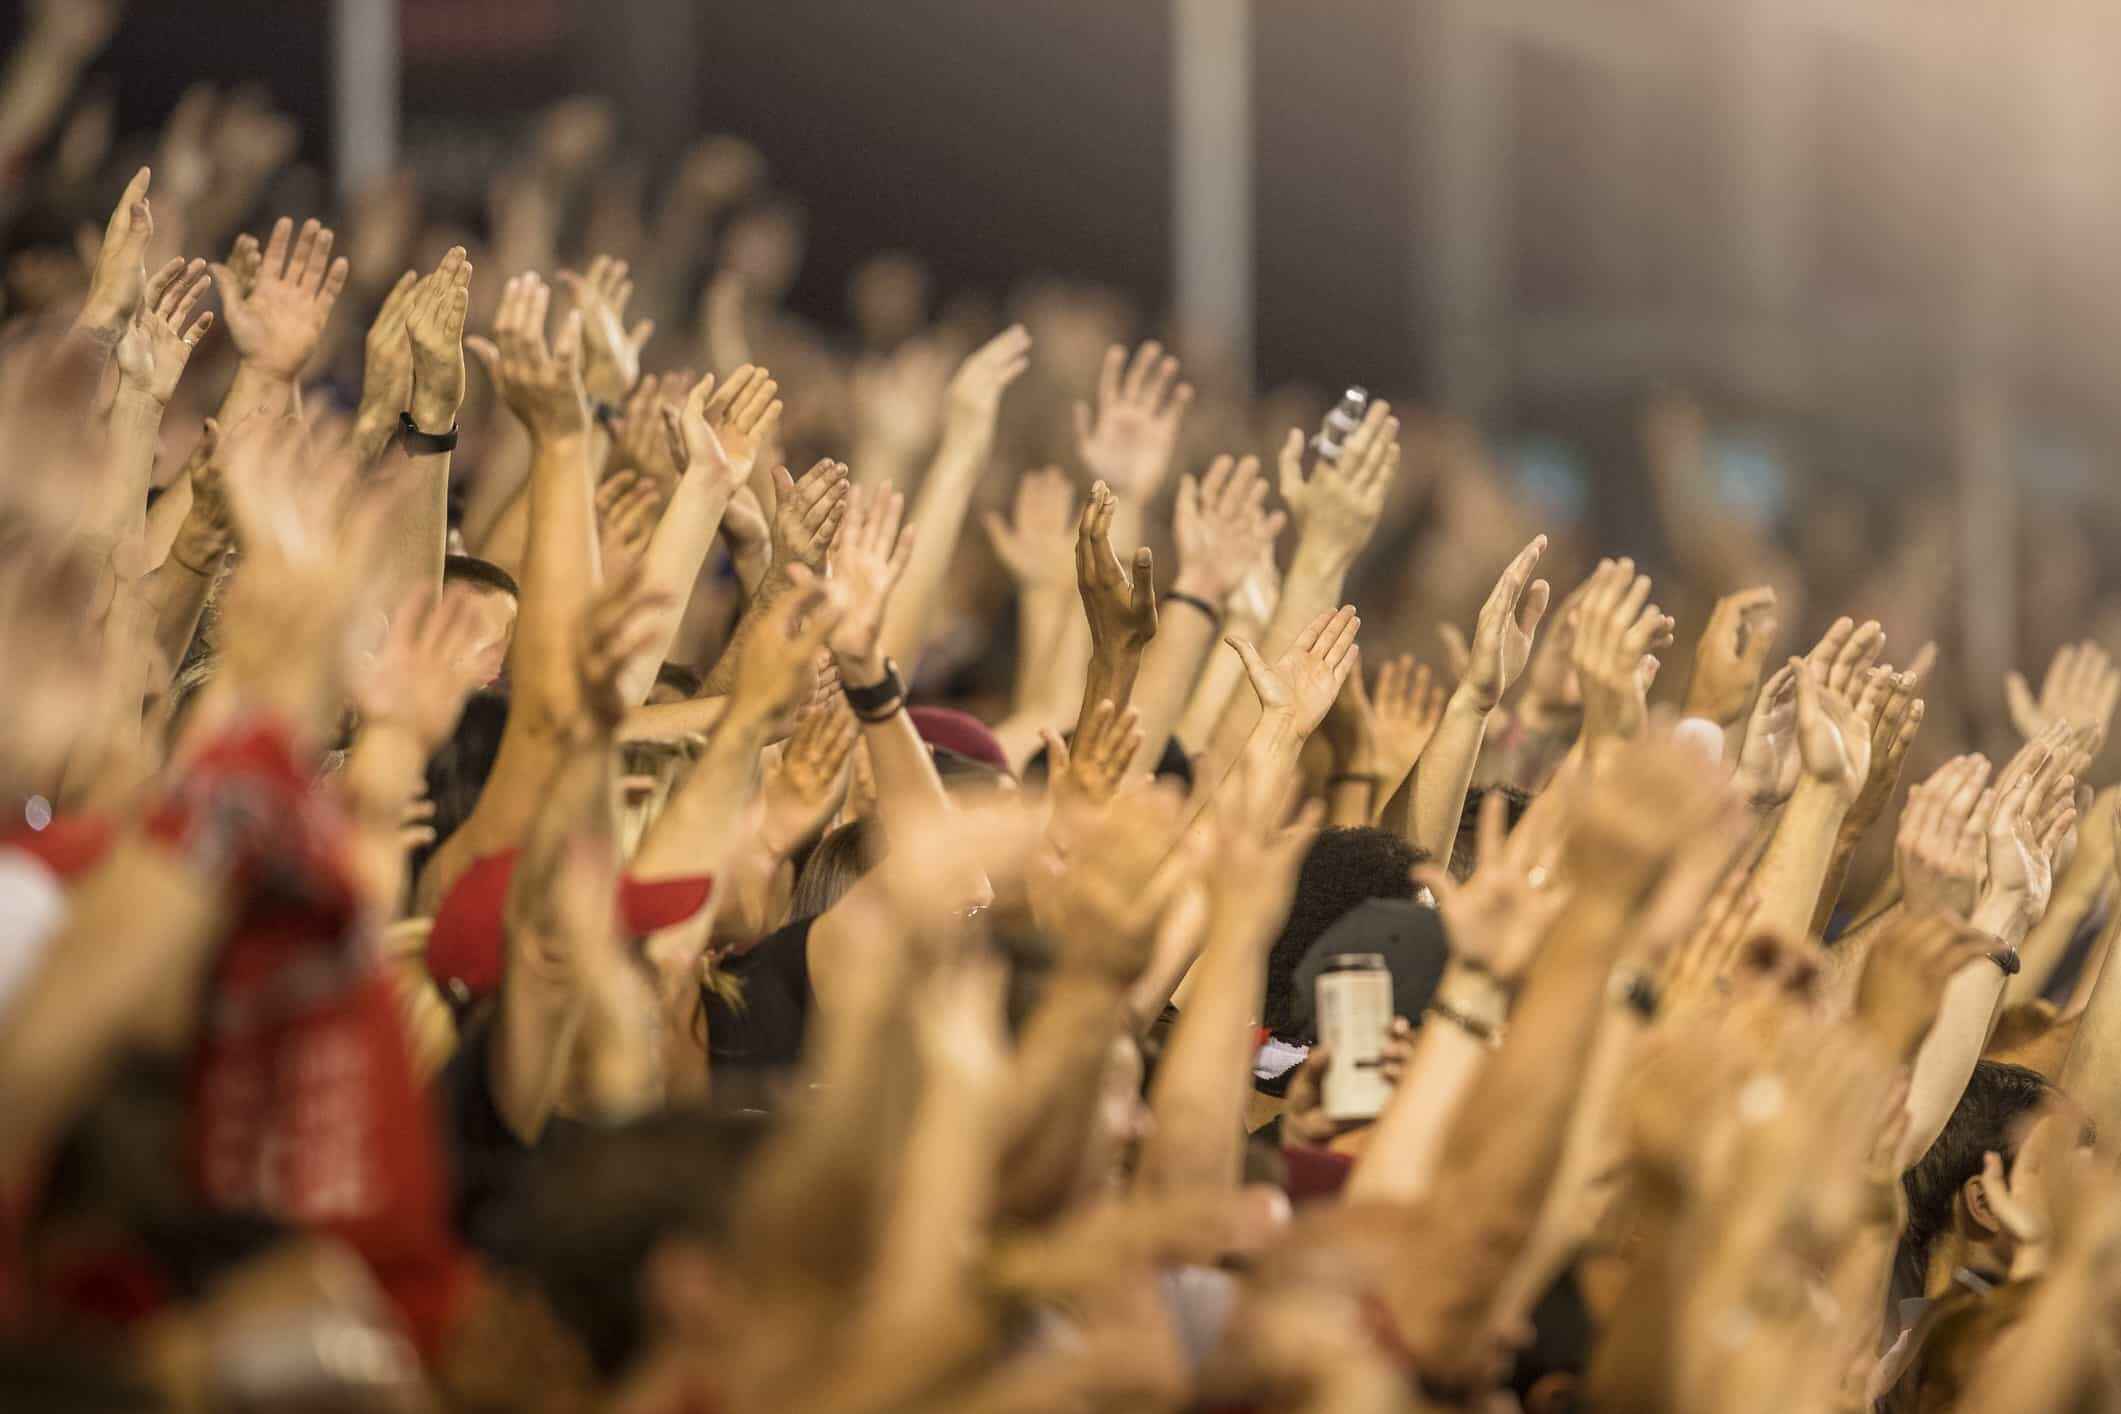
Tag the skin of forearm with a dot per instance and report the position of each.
(944, 1196)
(1798, 859)
(541, 1009)
(1948, 1055)
(137, 928)
(908, 790)
(1504, 1146)
(1444, 774)
(558, 574)
(177, 597)
(1042, 614)
(386, 769)
(700, 823)
(1845, 841)
(1219, 678)
(1113, 671)
(2079, 891)
(39, 78)
(1051, 1108)
(1400, 1161)
(411, 555)
(939, 511)
(135, 431)
(1206, 1073)
(253, 393)
(2091, 1075)
(676, 551)
(1184, 635)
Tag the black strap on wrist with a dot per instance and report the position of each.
(880, 701)
(1215, 615)
(2007, 961)
(606, 415)
(424, 444)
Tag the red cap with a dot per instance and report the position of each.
(468, 947)
(961, 732)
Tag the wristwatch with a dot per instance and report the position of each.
(424, 444)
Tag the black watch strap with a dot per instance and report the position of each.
(879, 700)
(425, 444)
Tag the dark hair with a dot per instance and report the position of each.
(687, 682)
(473, 570)
(1344, 867)
(584, 1220)
(1465, 849)
(457, 773)
(839, 859)
(60, 1379)
(1997, 1096)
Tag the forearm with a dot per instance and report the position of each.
(177, 593)
(1502, 1149)
(908, 791)
(1798, 859)
(671, 567)
(2092, 1073)
(1218, 679)
(1444, 774)
(2078, 894)
(1948, 1055)
(1202, 1082)
(937, 1220)
(700, 824)
(671, 721)
(1113, 671)
(119, 511)
(385, 772)
(412, 553)
(1042, 616)
(1400, 1161)
(559, 573)
(939, 511)
(1313, 587)
(39, 79)
(1184, 635)
(255, 393)
(1053, 1100)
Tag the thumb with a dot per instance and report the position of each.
(1292, 465)
(1056, 752)
(489, 357)
(1144, 576)
(642, 333)
(674, 434)
(1255, 666)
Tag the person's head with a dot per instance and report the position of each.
(1345, 867)
(1465, 850)
(457, 773)
(1946, 1194)
(835, 864)
(493, 596)
(626, 1234)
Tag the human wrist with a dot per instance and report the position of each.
(2004, 917)
(1471, 701)
(1472, 990)
(1200, 584)
(434, 412)
(101, 322)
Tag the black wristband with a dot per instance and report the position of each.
(879, 701)
(606, 415)
(1195, 601)
(424, 444)
(2007, 961)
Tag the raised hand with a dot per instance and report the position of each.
(719, 432)
(540, 382)
(1905, 974)
(1768, 765)
(428, 664)
(1616, 629)
(119, 277)
(1128, 441)
(868, 557)
(1121, 606)
(803, 790)
(1408, 708)
(975, 395)
(1731, 655)
(1897, 720)
(386, 370)
(1115, 873)
(611, 353)
(1498, 918)
(1037, 543)
(644, 441)
(2026, 817)
(434, 325)
(1222, 527)
(1338, 507)
(1553, 693)
(618, 626)
(2081, 688)
(1301, 684)
(810, 512)
(627, 509)
(1833, 736)
(279, 320)
(1502, 637)
(775, 666)
(1843, 659)
(157, 344)
(1089, 774)
(1942, 847)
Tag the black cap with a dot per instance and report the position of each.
(1407, 935)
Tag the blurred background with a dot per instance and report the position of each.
(1793, 289)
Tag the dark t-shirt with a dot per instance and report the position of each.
(765, 1029)
(488, 1156)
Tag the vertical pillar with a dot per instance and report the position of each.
(1461, 221)
(1211, 181)
(364, 62)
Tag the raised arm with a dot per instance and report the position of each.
(276, 304)
(974, 404)
(1036, 546)
(1120, 606)
(1222, 527)
(434, 314)
(1502, 641)
(542, 385)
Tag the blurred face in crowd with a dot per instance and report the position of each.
(495, 611)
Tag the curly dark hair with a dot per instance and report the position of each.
(1345, 867)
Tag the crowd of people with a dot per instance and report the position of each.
(573, 879)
